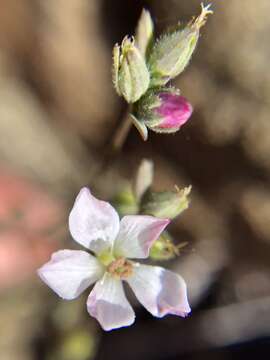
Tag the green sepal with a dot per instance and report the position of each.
(164, 248)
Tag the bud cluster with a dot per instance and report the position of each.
(142, 68)
(142, 199)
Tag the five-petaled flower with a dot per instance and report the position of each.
(95, 225)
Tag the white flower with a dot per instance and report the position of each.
(95, 225)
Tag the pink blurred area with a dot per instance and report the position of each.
(30, 220)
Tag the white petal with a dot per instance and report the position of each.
(160, 291)
(93, 223)
(108, 304)
(70, 272)
(137, 234)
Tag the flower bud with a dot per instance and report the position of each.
(144, 32)
(130, 74)
(167, 204)
(144, 178)
(125, 202)
(172, 52)
(164, 110)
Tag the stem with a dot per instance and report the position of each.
(122, 132)
(115, 145)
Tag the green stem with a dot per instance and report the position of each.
(122, 132)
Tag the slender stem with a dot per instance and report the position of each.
(115, 145)
(122, 132)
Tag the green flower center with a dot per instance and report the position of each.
(106, 257)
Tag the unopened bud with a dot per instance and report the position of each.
(125, 202)
(144, 32)
(167, 204)
(130, 74)
(163, 111)
(144, 178)
(172, 52)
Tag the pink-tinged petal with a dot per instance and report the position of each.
(93, 223)
(70, 272)
(160, 291)
(108, 304)
(137, 234)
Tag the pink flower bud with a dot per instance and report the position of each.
(163, 111)
(175, 111)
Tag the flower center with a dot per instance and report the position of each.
(120, 268)
(106, 258)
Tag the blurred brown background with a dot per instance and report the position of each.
(58, 112)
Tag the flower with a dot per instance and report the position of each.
(95, 225)
(162, 110)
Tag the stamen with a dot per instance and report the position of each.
(120, 268)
